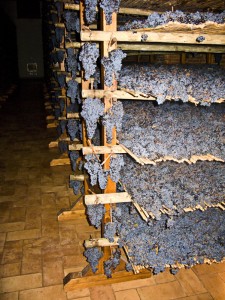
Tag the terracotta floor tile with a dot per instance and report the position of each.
(32, 260)
(164, 291)
(22, 282)
(205, 296)
(67, 234)
(133, 284)
(48, 200)
(190, 282)
(9, 296)
(62, 202)
(12, 226)
(102, 293)
(8, 270)
(222, 275)
(204, 269)
(12, 252)
(23, 234)
(127, 295)
(83, 298)
(74, 261)
(78, 294)
(53, 272)
(55, 292)
(214, 284)
(2, 240)
(163, 277)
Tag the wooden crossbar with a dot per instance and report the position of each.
(109, 198)
(101, 242)
(153, 37)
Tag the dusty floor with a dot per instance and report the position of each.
(37, 251)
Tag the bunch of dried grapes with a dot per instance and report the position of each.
(88, 56)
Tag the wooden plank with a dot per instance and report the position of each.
(153, 37)
(77, 79)
(76, 281)
(171, 48)
(69, 215)
(73, 116)
(79, 177)
(75, 147)
(119, 94)
(101, 242)
(108, 198)
(71, 6)
(61, 161)
(73, 45)
(103, 149)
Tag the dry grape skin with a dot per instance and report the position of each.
(109, 7)
(174, 186)
(112, 65)
(72, 21)
(156, 245)
(172, 129)
(158, 19)
(88, 56)
(177, 82)
(73, 128)
(92, 110)
(95, 214)
(90, 10)
(93, 256)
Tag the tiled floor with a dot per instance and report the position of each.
(37, 251)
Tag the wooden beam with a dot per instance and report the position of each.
(119, 94)
(122, 10)
(73, 116)
(109, 198)
(75, 147)
(103, 149)
(73, 45)
(101, 242)
(71, 6)
(80, 177)
(171, 48)
(77, 79)
(76, 281)
(153, 37)
(61, 161)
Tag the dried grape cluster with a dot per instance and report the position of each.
(73, 91)
(93, 256)
(192, 238)
(96, 171)
(59, 34)
(88, 56)
(112, 263)
(113, 118)
(110, 231)
(92, 110)
(172, 129)
(109, 7)
(72, 20)
(72, 62)
(116, 164)
(112, 65)
(90, 10)
(202, 84)
(60, 55)
(73, 155)
(76, 186)
(159, 19)
(95, 214)
(61, 78)
(174, 186)
(73, 128)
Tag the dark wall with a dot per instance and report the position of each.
(27, 23)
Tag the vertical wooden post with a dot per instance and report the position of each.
(84, 86)
(111, 186)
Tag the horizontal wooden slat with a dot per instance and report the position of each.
(103, 149)
(117, 94)
(107, 198)
(75, 147)
(153, 37)
(101, 242)
(80, 177)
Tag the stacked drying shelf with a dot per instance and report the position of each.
(112, 206)
(60, 29)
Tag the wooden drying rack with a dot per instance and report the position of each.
(128, 40)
